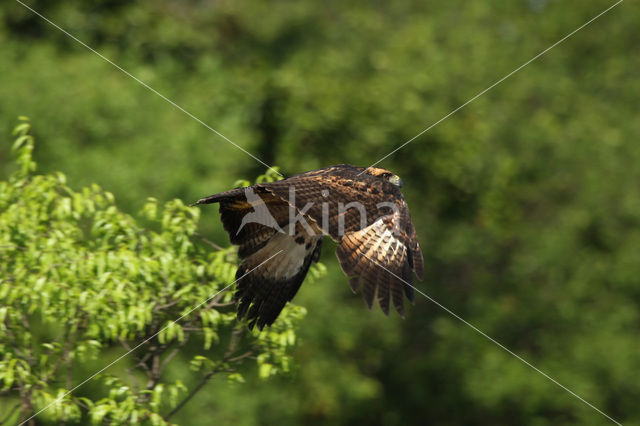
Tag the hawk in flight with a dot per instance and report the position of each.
(362, 210)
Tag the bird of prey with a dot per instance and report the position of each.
(361, 209)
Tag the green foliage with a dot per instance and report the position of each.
(79, 278)
(271, 175)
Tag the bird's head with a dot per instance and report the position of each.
(385, 175)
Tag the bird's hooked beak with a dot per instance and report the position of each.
(396, 181)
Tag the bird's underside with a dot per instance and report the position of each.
(279, 227)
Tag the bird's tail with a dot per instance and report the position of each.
(216, 198)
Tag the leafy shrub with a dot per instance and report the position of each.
(80, 281)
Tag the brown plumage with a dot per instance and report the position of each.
(379, 249)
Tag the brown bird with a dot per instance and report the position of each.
(361, 209)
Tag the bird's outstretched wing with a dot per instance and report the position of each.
(263, 293)
(381, 259)
(378, 246)
(342, 197)
(277, 254)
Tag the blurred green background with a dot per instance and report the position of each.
(527, 201)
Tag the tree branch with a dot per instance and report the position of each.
(191, 394)
(206, 240)
(140, 361)
(174, 352)
(233, 345)
(27, 408)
